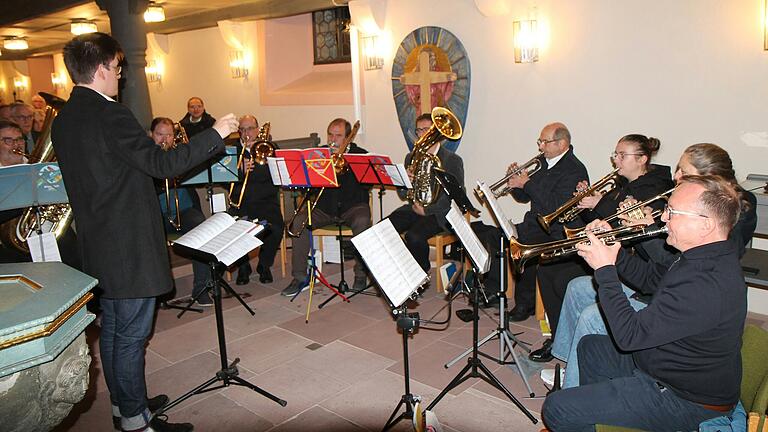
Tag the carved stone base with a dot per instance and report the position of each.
(39, 398)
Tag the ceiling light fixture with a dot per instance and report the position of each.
(15, 43)
(81, 26)
(154, 13)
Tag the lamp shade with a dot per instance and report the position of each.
(15, 43)
(154, 13)
(79, 27)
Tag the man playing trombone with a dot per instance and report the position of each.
(259, 201)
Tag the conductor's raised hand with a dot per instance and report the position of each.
(226, 125)
(597, 254)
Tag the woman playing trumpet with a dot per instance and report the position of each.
(637, 178)
(581, 314)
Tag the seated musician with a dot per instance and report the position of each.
(196, 119)
(677, 362)
(637, 178)
(189, 211)
(580, 314)
(348, 203)
(420, 223)
(260, 201)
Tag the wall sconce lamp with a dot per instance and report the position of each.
(154, 13)
(372, 57)
(153, 71)
(58, 81)
(237, 65)
(765, 25)
(526, 37)
(15, 43)
(81, 26)
(19, 85)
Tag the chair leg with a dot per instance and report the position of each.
(282, 254)
(439, 247)
(539, 304)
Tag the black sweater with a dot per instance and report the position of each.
(689, 336)
(192, 129)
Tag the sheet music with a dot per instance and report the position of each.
(392, 265)
(43, 248)
(242, 246)
(477, 252)
(276, 170)
(207, 230)
(399, 175)
(506, 225)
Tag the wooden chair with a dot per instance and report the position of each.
(333, 229)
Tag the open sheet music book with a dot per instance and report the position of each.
(478, 254)
(223, 237)
(504, 223)
(391, 264)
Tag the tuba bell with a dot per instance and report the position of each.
(53, 218)
(425, 187)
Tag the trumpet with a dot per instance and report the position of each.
(500, 189)
(179, 137)
(521, 253)
(262, 149)
(633, 212)
(568, 211)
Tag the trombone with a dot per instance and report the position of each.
(520, 253)
(179, 137)
(568, 211)
(263, 148)
(633, 212)
(531, 167)
(304, 201)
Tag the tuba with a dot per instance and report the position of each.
(53, 218)
(425, 187)
(568, 211)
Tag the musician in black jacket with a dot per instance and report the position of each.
(419, 223)
(196, 119)
(546, 190)
(349, 202)
(260, 202)
(676, 362)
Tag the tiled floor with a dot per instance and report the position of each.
(341, 371)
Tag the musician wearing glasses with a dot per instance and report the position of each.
(349, 203)
(677, 362)
(581, 315)
(634, 176)
(11, 144)
(108, 163)
(260, 201)
(546, 190)
(24, 116)
(188, 212)
(420, 223)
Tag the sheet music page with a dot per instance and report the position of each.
(207, 230)
(43, 248)
(240, 247)
(229, 236)
(399, 175)
(392, 265)
(274, 171)
(506, 225)
(468, 238)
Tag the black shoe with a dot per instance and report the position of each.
(519, 313)
(160, 424)
(153, 405)
(243, 278)
(296, 286)
(360, 283)
(543, 354)
(265, 274)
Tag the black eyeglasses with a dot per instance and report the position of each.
(622, 155)
(540, 141)
(12, 141)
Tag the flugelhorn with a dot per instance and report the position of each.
(633, 212)
(500, 188)
(521, 253)
(568, 211)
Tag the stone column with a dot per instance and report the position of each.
(126, 18)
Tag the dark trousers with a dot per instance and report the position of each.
(553, 281)
(418, 230)
(201, 273)
(272, 237)
(614, 392)
(358, 218)
(525, 283)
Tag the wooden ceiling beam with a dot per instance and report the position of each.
(15, 11)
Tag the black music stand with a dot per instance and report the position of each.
(228, 374)
(407, 323)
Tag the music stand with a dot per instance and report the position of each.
(480, 262)
(382, 248)
(228, 374)
(215, 171)
(507, 339)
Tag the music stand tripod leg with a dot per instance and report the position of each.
(407, 325)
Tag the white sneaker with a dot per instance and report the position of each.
(548, 376)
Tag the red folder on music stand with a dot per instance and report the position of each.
(377, 169)
(311, 167)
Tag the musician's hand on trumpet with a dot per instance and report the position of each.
(647, 219)
(519, 180)
(596, 253)
(226, 125)
(589, 201)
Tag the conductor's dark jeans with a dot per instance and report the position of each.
(614, 392)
